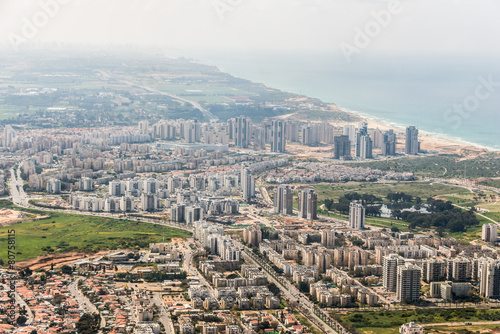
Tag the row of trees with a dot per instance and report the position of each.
(401, 197)
(443, 216)
(344, 202)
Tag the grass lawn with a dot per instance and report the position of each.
(492, 183)
(375, 330)
(491, 205)
(467, 199)
(462, 329)
(383, 320)
(493, 215)
(437, 329)
(62, 233)
(446, 166)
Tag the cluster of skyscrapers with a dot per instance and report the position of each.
(307, 202)
(365, 142)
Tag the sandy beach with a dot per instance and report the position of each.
(427, 141)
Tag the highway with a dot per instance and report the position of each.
(20, 198)
(291, 293)
(206, 113)
(264, 193)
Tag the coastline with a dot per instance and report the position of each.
(429, 141)
(401, 127)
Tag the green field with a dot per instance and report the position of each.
(437, 329)
(445, 166)
(488, 202)
(62, 233)
(386, 322)
(375, 330)
(423, 190)
(493, 215)
(463, 329)
(492, 183)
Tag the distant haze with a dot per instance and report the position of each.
(422, 27)
(407, 62)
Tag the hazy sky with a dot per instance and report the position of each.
(420, 27)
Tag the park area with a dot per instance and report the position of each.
(63, 233)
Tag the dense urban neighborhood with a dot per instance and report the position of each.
(119, 218)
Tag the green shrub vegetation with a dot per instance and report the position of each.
(445, 166)
(61, 233)
(391, 319)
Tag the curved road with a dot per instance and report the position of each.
(84, 301)
(20, 301)
(196, 105)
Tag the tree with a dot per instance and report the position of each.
(67, 270)
(396, 214)
(274, 289)
(21, 320)
(58, 299)
(88, 324)
(327, 279)
(356, 241)
(304, 287)
(26, 272)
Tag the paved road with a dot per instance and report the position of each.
(472, 323)
(83, 301)
(263, 191)
(451, 183)
(164, 314)
(196, 105)
(20, 198)
(289, 292)
(188, 256)
(20, 302)
(16, 183)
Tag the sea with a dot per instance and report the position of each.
(449, 97)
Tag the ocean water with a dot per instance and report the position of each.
(449, 97)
